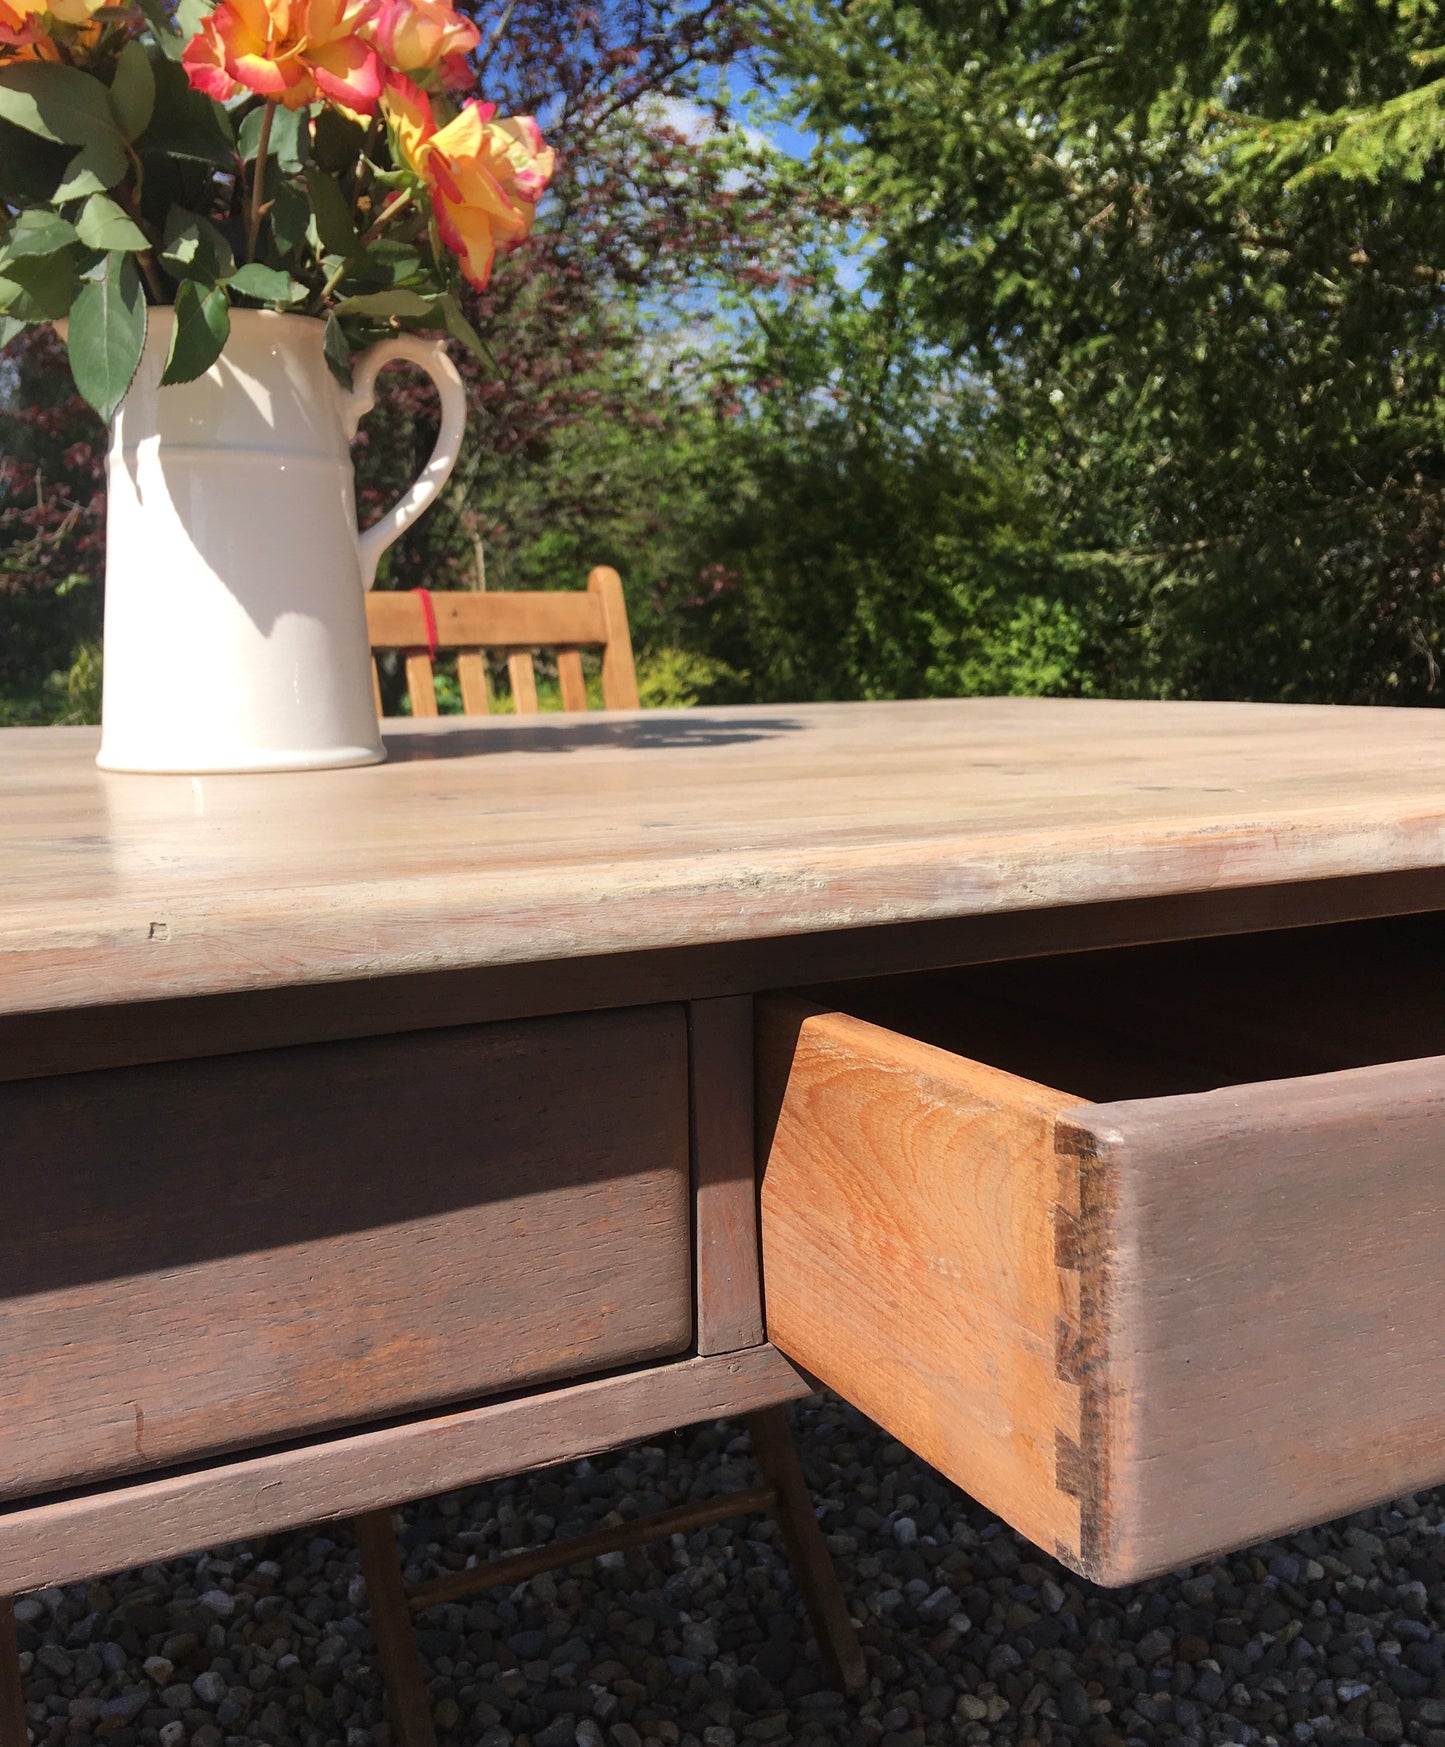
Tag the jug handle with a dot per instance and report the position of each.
(430, 356)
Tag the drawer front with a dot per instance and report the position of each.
(1143, 1331)
(213, 1254)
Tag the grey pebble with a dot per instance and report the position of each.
(561, 1733)
(1155, 1646)
(126, 1707)
(973, 1638)
(1073, 1704)
(210, 1688)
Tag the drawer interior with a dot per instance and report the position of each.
(1150, 1021)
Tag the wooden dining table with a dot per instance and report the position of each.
(1060, 1081)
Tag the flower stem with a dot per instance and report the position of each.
(361, 171)
(152, 277)
(401, 201)
(255, 210)
(326, 290)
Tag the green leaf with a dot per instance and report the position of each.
(38, 233)
(399, 302)
(337, 140)
(457, 325)
(107, 334)
(194, 248)
(333, 216)
(133, 90)
(172, 44)
(290, 214)
(11, 328)
(287, 137)
(401, 267)
(248, 135)
(56, 102)
(190, 16)
(382, 271)
(98, 165)
(337, 351)
(188, 121)
(266, 284)
(29, 167)
(37, 287)
(202, 327)
(102, 225)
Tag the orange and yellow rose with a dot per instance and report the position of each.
(293, 52)
(23, 25)
(484, 176)
(424, 37)
(24, 38)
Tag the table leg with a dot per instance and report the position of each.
(396, 1646)
(14, 1731)
(812, 1564)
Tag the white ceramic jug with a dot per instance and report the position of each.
(235, 578)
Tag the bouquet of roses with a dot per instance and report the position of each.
(322, 157)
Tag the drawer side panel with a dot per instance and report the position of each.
(1267, 1266)
(917, 1254)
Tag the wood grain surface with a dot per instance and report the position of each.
(1148, 1329)
(1264, 1266)
(908, 1214)
(228, 1252)
(506, 843)
(495, 618)
(70, 1040)
(729, 1274)
(64, 1540)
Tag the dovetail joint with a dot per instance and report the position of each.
(1070, 1359)
(1070, 1475)
(1067, 1240)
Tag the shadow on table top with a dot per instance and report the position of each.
(668, 732)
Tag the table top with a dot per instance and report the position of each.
(513, 842)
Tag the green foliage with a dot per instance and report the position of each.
(202, 325)
(58, 103)
(106, 150)
(670, 678)
(133, 90)
(82, 684)
(1195, 255)
(1098, 350)
(102, 225)
(107, 333)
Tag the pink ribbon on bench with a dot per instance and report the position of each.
(428, 613)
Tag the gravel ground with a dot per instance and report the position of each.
(972, 1635)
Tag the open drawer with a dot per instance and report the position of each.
(1145, 1249)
